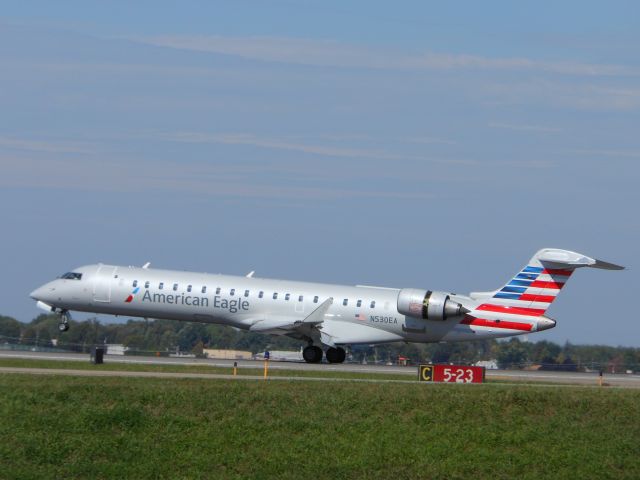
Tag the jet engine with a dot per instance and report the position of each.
(428, 305)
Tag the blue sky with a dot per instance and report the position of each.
(420, 145)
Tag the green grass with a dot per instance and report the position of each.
(80, 427)
(412, 372)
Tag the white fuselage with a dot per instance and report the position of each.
(333, 315)
(358, 314)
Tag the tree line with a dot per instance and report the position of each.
(163, 337)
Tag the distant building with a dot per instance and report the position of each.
(281, 355)
(227, 354)
(115, 349)
(488, 364)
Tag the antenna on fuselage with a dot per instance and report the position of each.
(146, 265)
(250, 274)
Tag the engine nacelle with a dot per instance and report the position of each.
(428, 305)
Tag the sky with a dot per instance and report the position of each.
(418, 144)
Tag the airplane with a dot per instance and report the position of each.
(322, 315)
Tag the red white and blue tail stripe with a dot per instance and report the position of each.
(531, 291)
(520, 305)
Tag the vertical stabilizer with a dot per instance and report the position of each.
(532, 290)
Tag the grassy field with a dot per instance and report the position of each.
(77, 427)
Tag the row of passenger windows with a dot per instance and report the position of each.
(232, 293)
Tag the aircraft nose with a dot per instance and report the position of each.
(42, 293)
(37, 293)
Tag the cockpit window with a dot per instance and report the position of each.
(72, 276)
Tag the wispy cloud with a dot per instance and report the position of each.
(607, 153)
(284, 143)
(50, 146)
(429, 140)
(178, 177)
(335, 54)
(525, 128)
(280, 144)
(588, 95)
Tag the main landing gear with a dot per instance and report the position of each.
(63, 326)
(335, 355)
(313, 354)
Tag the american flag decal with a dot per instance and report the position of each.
(359, 316)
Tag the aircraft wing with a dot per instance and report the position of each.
(285, 326)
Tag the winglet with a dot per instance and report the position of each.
(317, 316)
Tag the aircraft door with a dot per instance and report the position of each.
(102, 284)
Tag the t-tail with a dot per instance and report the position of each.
(528, 295)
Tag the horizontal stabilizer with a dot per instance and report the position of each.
(606, 265)
(566, 258)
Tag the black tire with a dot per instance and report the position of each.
(312, 354)
(63, 327)
(336, 355)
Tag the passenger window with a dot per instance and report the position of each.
(146, 284)
(204, 289)
(175, 287)
(232, 292)
(246, 293)
(189, 288)
(260, 294)
(275, 295)
(287, 297)
(135, 283)
(345, 302)
(218, 291)
(300, 298)
(373, 304)
(161, 286)
(315, 299)
(359, 303)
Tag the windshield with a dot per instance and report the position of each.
(72, 276)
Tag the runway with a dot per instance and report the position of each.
(567, 378)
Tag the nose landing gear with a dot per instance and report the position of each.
(63, 326)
